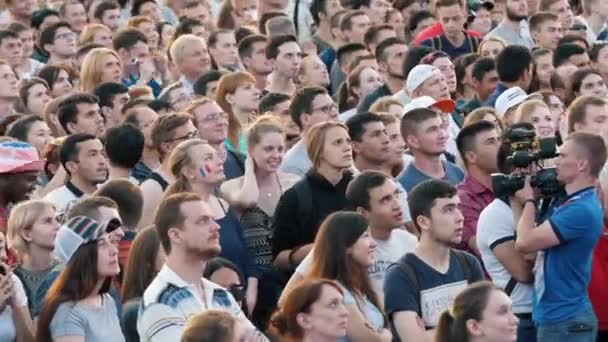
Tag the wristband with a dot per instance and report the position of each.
(533, 201)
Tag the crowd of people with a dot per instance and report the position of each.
(303, 170)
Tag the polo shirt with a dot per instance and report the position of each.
(562, 272)
(169, 301)
(64, 197)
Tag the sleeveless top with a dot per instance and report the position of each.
(257, 228)
(160, 180)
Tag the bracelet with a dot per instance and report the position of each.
(533, 201)
(292, 264)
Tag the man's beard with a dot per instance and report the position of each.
(512, 16)
(204, 253)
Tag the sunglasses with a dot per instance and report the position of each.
(237, 291)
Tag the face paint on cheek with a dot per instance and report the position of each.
(205, 170)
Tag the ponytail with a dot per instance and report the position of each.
(444, 331)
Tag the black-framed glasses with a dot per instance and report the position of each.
(326, 109)
(190, 135)
(237, 291)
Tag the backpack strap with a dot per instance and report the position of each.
(510, 286)
(468, 274)
(436, 42)
(473, 43)
(411, 274)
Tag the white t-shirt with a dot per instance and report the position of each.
(386, 253)
(495, 226)
(7, 326)
(62, 198)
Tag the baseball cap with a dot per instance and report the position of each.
(18, 156)
(418, 75)
(446, 106)
(511, 98)
(474, 5)
(78, 231)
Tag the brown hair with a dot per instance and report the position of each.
(524, 111)
(347, 98)
(163, 128)
(264, 124)
(228, 85)
(92, 68)
(577, 111)
(89, 31)
(179, 159)
(594, 149)
(169, 215)
(299, 300)
(479, 114)
(383, 104)
(26, 84)
(316, 139)
(140, 269)
(210, 326)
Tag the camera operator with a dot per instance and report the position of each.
(565, 242)
(507, 267)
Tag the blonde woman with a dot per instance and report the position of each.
(539, 115)
(31, 235)
(96, 34)
(100, 65)
(491, 47)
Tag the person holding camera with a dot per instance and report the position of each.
(508, 268)
(565, 242)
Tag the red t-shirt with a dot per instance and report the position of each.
(436, 30)
(599, 278)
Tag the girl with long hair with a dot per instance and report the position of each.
(362, 81)
(34, 95)
(480, 313)
(60, 79)
(96, 34)
(538, 114)
(78, 302)
(344, 255)
(100, 65)
(198, 167)
(542, 70)
(239, 97)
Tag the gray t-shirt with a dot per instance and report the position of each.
(96, 324)
(411, 176)
(296, 160)
(512, 37)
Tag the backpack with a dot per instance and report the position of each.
(410, 272)
(473, 42)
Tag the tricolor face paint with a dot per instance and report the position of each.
(205, 170)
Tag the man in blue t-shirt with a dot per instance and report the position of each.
(422, 284)
(426, 134)
(565, 242)
(452, 16)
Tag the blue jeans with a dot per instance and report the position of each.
(581, 328)
(526, 331)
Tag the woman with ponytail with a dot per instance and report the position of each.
(199, 168)
(313, 311)
(480, 313)
(361, 81)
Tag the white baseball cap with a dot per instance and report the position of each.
(418, 75)
(446, 106)
(511, 98)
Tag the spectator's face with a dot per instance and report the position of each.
(382, 35)
(423, 25)
(565, 72)
(151, 10)
(88, 120)
(397, 144)
(268, 152)
(377, 11)
(323, 108)
(328, 315)
(21, 186)
(22, 8)
(369, 80)
(62, 85)
(37, 98)
(211, 89)
(384, 207)
(180, 134)
(314, 72)
(76, 16)
(225, 277)
(485, 151)
(435, 87)
(112, 69)
(282, 110)
(167, 34)
(139, 51)
(258, 63)
(225, 51)
(482, 22)
(11, 50)
(146, 118)
(65, 42)
(595, 121)
(195, 60)
(179, 99)
(91, 165)
(43, 231)
(246, 97)
(452, 18)
(374, 145)
(580, 61)
(245, 13)
(498, 323)
(593, 84)
(212, 122)
(498, 12)
(395, 55)
(544, 68)
(491, 49)
(430, 137)
(395, 19)
(8, 83)
(446, 67)
(39, 135)
(542, 119)
(562, 9)
(601, 65)
(548, 34)
(567, 162)
(517, 10)
(288, 60)
(111, 18)
(445, 222)
(362, 251)
(200, 235)
(208, 166)
(107, 257)
(331, 7)
(201, 13)
(409, 11)
(199, 31)
(149, 30)
(113, 115)
(359, 25)
(337, 150)
(27, 41)
(105, 214)
(557, 109)
(104, 38)
(488, 84)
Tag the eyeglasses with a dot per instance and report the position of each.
(216, 117)
(66, 36)
(190, 135)
(326, 109)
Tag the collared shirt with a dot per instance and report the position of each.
(470, 106)
(63, 197)
(170, 301)
(474, 197)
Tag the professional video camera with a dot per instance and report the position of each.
(527, 152)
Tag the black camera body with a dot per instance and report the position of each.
(528, 150)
